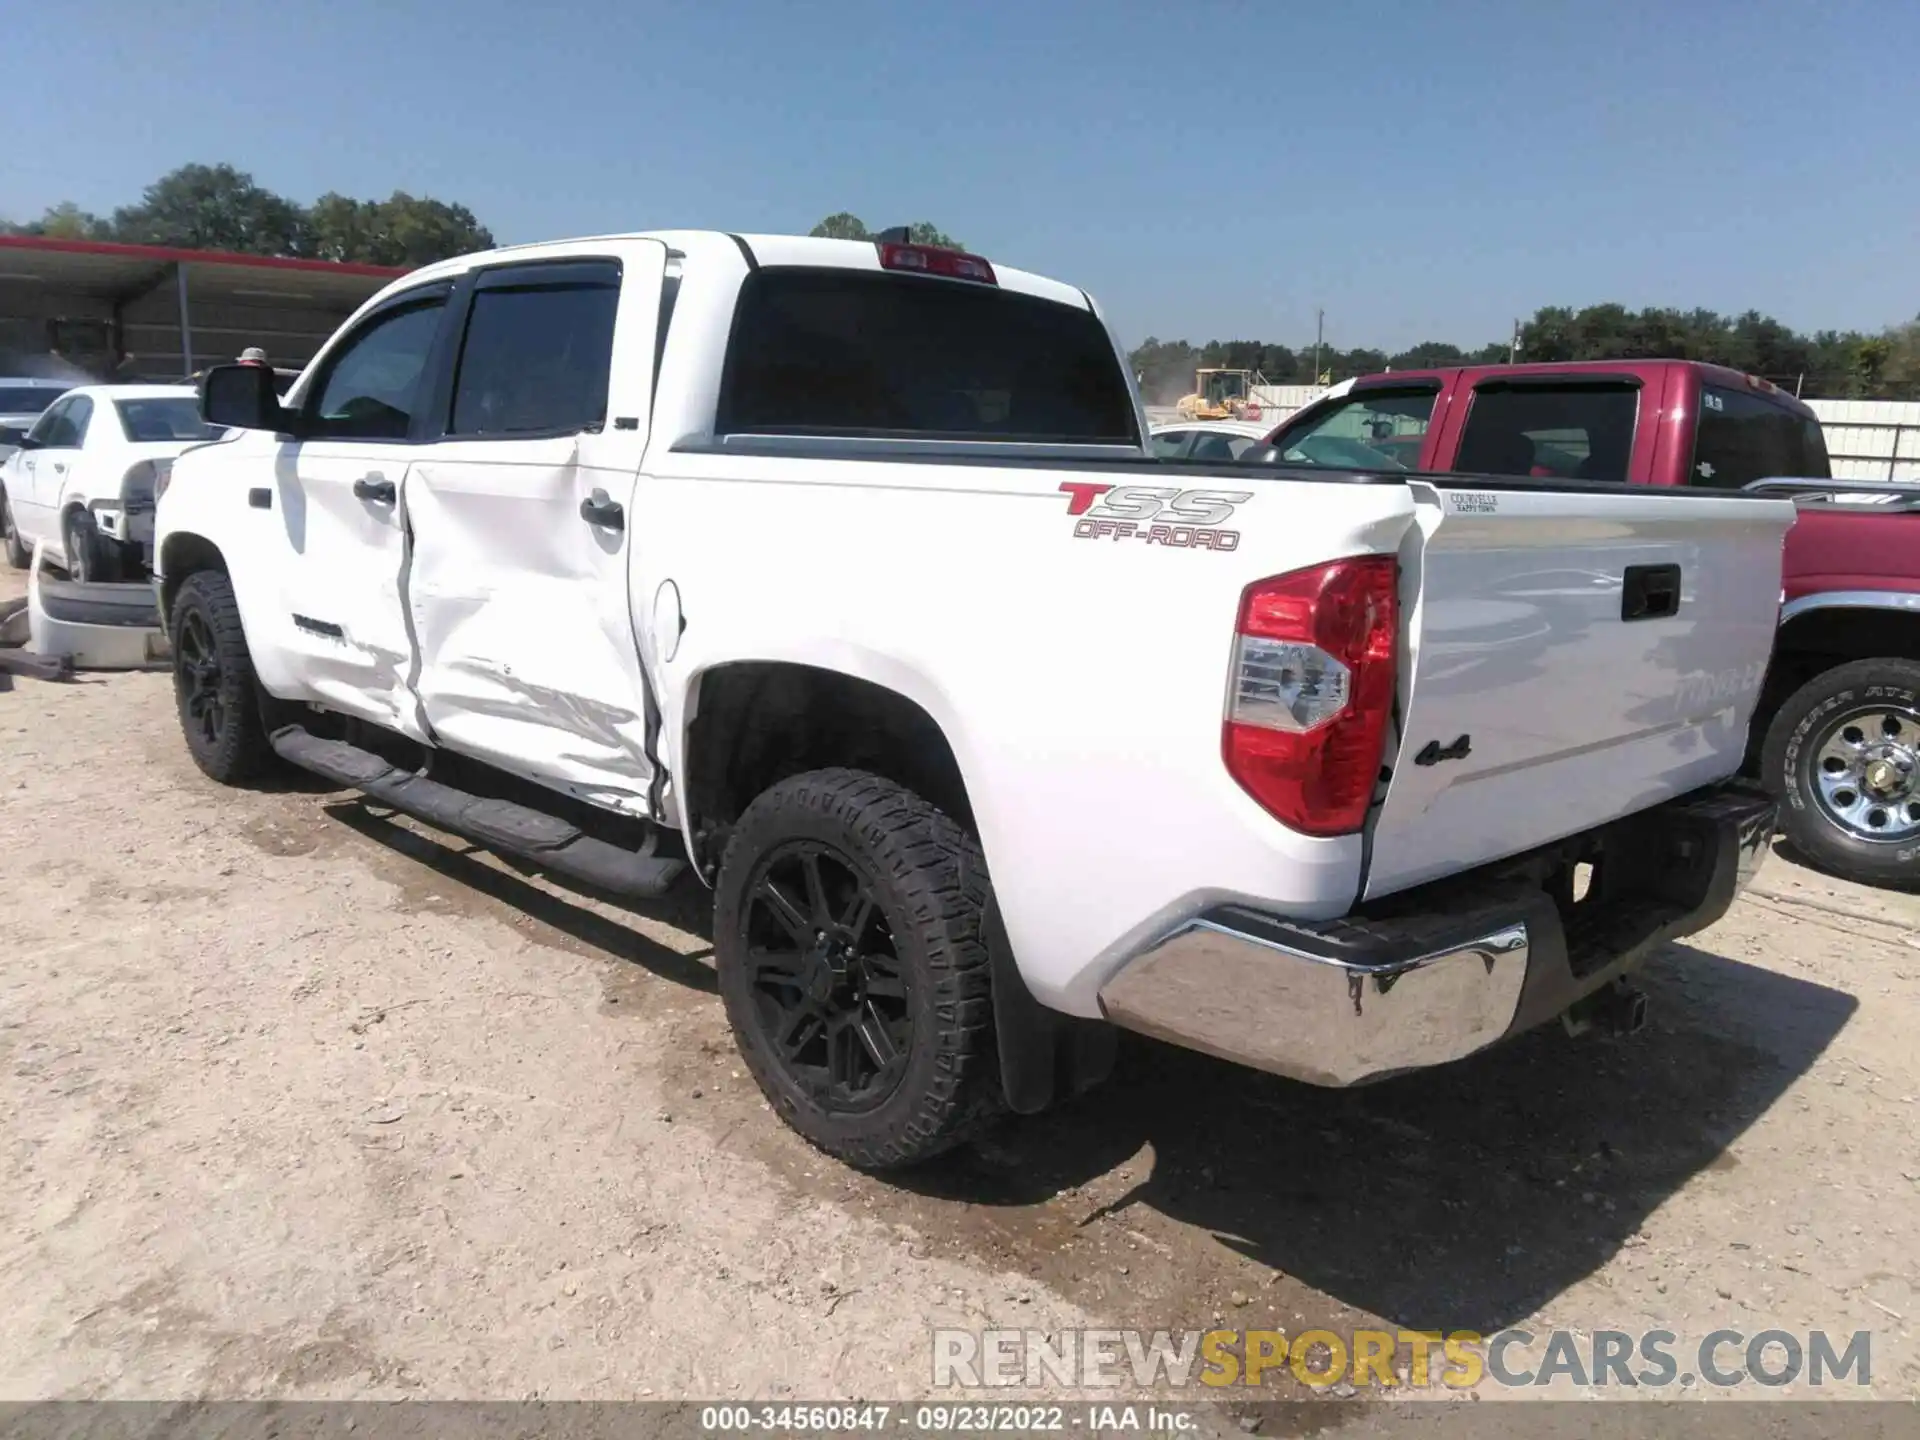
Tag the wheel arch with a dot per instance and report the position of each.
(1820, 631)
(754, 723)
(181, 554)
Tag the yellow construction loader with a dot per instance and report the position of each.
(1221, 395)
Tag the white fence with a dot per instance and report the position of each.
(1279, 401)
(1871, 439)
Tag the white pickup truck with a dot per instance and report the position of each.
(838, 572)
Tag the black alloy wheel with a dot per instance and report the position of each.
(196, 681)
(826, 980)
(849, 941)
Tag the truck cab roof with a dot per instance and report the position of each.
(1638, 369)
(757, 249)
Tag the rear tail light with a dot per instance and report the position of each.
(932, 260)
(1313, 676)
(145, 483)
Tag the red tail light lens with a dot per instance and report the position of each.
(1313, 674)
(932, 260)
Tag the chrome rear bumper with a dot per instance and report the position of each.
(1444, 971)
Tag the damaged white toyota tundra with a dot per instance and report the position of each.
(838, 573)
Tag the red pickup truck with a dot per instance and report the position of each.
(1837, 734)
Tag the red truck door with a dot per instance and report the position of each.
(1593, 424)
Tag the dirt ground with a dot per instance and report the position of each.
(309, 1102)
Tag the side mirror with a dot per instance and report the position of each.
(242, 397)
(9, 435)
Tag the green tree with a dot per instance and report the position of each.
(400, 230)
(1429, 355)
(214, 207)
(1165, 368)
(1900, 374)
(67, 221)
(343, 228)
(844, 226)
(841, 226)
(923, 233)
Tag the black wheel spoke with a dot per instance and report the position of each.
(198, 679)
(843, 1055)
(856, 917)
(790, 915)
(798, 1027)
(818, 913)
(879, 1044)
(775, 967)
(775, 964)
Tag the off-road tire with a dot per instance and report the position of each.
(92, 559)
(240, 751)
(929, 879)
(1787, 761)
(18, 555)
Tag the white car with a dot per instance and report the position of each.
(84, 477)
(841, 575)
(1204, 440)
(23, 399)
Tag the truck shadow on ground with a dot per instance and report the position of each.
(1464, 1197)
(458, 862)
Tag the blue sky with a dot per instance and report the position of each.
(1420, 170)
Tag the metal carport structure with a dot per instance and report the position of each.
(85, 308)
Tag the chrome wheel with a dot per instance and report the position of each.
(1866, 772)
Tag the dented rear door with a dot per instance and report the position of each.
(521, 516)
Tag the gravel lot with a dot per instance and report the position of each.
(309, 1102)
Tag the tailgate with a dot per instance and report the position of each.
(1571, 657)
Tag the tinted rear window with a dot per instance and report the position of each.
(1570, 432)
(165, 417)
(1743, 438)
(845, 352)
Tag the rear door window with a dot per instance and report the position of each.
(537, 352)
(1569, 432)
(1743, 437)
(79, 419)
(856, 353)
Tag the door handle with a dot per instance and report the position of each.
(369, 487)
(600, 509)
(1650, 592)
(59, 469)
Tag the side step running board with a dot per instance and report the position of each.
(500, 825)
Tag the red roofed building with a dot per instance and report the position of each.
(86, 308)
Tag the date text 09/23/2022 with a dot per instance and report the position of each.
(962, 1418)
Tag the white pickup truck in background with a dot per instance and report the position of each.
(839, 572)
